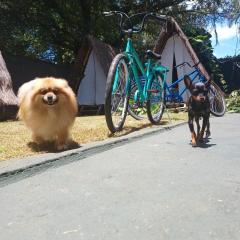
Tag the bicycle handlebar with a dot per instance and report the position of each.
(129, 18)
(111, 13)
(182, 64)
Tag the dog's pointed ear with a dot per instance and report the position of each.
(209, 81)
(187, 81)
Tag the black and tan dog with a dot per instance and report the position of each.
(198, 107)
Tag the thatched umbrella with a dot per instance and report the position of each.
(8, 100)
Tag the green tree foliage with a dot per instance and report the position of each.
(48, 29)
(53, 30)
(201, 43)
(230, 67)
(233, 102)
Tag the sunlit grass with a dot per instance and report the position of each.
(15, 138)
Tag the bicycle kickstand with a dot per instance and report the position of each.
(169, 118)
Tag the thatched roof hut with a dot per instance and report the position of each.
(8, 100)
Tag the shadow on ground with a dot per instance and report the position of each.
(127, 130)
(205, 143)
(50, 147)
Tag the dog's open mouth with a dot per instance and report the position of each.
(50, 99)
(49, 102)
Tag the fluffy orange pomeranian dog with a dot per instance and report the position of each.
(48, 107)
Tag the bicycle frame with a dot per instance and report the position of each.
(170, 95)
(148, 74)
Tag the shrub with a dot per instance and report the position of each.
(233, 102)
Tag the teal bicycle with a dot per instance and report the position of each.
(127, 70)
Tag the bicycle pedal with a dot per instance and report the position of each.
(135, 106)
(153, 91)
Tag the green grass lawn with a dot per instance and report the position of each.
(15, 140)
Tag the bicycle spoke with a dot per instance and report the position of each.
(156, 101)
(116, 94)
(217, 102)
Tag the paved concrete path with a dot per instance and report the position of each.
(158, 187)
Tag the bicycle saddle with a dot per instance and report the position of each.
(151, 54)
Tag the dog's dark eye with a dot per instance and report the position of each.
(205, 91)
(195, 92)
(43, 91)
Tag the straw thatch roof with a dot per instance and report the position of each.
(8, 100)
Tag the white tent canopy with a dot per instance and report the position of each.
(176, 48)
(173, 43)
(93, 62)
(92, 88)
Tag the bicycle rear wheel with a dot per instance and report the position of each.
(116, 96)
(217, 101)
(156, 100)
(137, 110)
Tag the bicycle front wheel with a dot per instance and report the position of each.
(217, 101)
(156, 100)
(116, 96)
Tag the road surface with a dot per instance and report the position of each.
(158, 187)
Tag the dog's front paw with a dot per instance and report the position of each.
(37, 139)
(194, 140)
(208, 134)
(194, 144)
(61, 147)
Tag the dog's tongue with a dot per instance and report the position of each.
(50, 103)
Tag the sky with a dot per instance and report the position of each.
(229, 43)
(228, 40)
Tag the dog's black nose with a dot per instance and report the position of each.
(50, 98)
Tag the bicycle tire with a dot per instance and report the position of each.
(217, 101)
(156, 96)
(136, 110)
(116, 95)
